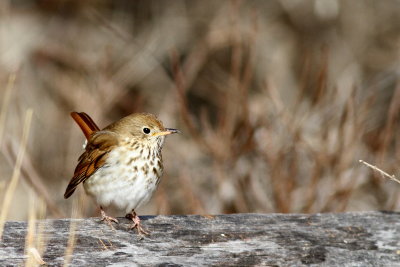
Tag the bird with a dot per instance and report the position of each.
(122, 164)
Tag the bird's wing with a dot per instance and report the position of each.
(96, 152)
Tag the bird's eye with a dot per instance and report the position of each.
(146, 130)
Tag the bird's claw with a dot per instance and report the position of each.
(108, 219)
(136, 224)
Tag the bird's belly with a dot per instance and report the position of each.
(124, 183)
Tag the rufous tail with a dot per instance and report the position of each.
(86, 123)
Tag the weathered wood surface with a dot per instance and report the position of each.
(347, 239)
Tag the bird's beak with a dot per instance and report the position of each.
(167, 132)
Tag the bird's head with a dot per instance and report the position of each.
(143, 127)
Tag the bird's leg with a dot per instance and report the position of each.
(106, 218)
(136, 223)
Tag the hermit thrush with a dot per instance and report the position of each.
(122, 164)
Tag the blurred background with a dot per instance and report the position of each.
(277, 100)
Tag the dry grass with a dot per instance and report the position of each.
(34, 242)
(76, 213)
(277, 101)
(12, 185)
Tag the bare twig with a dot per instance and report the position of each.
(391, 177)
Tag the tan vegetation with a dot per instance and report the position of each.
(277, 101)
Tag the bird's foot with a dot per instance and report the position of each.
(108, 219)
(136, 223)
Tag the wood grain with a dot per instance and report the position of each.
(346, 239)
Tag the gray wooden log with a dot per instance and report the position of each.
(346, 239)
